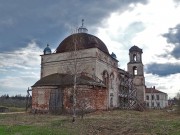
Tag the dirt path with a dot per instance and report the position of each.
(13, 113)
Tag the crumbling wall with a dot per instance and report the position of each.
(41, 97)
(88, 98)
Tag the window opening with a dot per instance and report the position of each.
(158, 104)
(105, 77)
(152, 104)
(152, 97)
(111, 80)
(147, 97)
(157, 96)
(71, 99)
(134, 70)
(134, 57)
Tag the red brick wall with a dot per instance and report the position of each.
(40, 97)
(88, 98)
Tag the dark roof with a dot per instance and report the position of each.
(83, 41)
(135, 49)
(66, 80)
(153, 90)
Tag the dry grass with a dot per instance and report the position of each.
(117, 122)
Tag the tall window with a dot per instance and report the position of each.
(152, 105)
(147, 97)
(158, 104)
(157, 97)
(71, 99)
(105, 77)
(147, 104)
(152, 97)
(111, 80)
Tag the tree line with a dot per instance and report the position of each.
(13, 101)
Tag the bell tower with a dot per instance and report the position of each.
(136, 68)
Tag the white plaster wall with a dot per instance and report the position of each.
(162, 100)
(65, 62)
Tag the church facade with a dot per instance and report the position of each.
(82, 73)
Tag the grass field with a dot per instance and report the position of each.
(117, 122)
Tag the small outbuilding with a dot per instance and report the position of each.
(54, 94)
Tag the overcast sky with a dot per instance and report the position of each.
(26, 26)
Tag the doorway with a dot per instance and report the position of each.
(56, 101)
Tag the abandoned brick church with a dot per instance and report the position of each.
(82, 61)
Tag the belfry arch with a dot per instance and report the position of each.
(135, 57)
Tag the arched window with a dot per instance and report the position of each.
(111, 80)
(105, 77)
(134, 70)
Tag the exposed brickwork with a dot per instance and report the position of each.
(89, 98)
(40, 97)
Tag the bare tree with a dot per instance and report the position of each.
(178, 101)
(75, 80)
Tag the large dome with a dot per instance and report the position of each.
(83, 41)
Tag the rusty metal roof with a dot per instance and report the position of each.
(153, 90)
(66, 80)
(83, 41)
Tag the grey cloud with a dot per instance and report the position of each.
(124, 36)
(24, 58)
(176, 1)
(173, 37)
(176, 51)
(150, 84)
(162, 69)
(49, 21)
